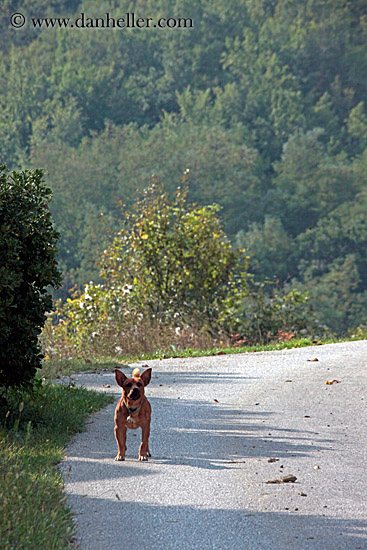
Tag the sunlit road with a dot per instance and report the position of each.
(221, 428)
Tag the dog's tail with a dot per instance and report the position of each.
(136, 373)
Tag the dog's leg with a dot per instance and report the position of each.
(144, 446)
(120, 434)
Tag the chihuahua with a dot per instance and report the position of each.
(133, 411)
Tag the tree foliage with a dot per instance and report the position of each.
(174, 258)
(170, 271)
(263, 101)
(27, 268)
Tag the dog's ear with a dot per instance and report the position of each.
(146, 376)
(120, 377)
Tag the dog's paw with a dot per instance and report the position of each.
(143, 458)
(148, 454)
(120, 458)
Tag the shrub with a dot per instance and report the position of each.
(262, 317)
(174, 258)
(170, 274)
(27, 267)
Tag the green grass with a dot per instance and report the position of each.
(56, 368)
(34, 431)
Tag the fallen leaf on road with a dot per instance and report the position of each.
(288, 479)
(283, 479)
(215, 401)
(314, 359)
(329, 382)
(273, 460)
(105, 386)
(316, 467)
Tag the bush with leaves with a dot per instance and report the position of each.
(261, 317)
(170, 274)
(174, 258)
(27, 268)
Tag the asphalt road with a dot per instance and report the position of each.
(221, 428)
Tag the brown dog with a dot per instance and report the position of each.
(133, 411)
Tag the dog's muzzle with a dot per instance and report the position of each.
(135, 394)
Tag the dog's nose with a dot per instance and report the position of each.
(135, 394)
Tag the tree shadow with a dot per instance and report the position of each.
(125, 524)
(200, 434)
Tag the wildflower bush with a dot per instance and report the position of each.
(173, 281)
(170, 274)
(172, 258)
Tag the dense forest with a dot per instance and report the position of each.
(262, 103)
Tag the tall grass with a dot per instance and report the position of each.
(126, 336)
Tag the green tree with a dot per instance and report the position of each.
(174, 258)
(270, 248)
(310, 182)
(336, 293)
(333, 267)
(27, 268)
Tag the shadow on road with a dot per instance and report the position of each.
(129, 525)
(202, 435)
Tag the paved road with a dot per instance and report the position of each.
(217, 422)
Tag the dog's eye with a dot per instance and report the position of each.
(129, 385)
(139, 384)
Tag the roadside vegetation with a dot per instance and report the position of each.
(173, 281)
(34, 430)
(173, 285)
(37, 419)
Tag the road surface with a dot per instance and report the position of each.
(222, 427)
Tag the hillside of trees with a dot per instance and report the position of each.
(262, 104)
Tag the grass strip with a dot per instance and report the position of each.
(34, 430)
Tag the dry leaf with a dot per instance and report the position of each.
(288, 479)
(283, 479)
